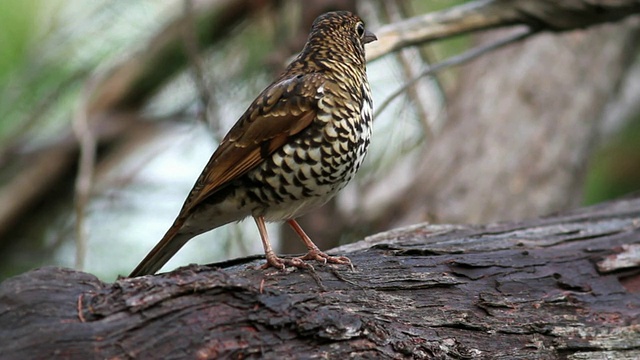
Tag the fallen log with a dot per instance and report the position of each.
(565, 286)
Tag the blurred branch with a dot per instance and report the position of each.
(522, 127)
(12, 142)
(478, 15)
(86, 164)
(411, 60)
(133, 81)
(30, 184)
(123, 88)
(454, 60)
(192, 50)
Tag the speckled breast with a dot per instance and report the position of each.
(307, 172)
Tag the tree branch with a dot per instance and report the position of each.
(538, 289)
(552, 15)
(453, 61)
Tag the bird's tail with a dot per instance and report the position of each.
(171, 242)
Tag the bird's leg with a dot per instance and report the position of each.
(315, 253)
(272, 258)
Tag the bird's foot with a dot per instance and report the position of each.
(282, 263)
(319, 256)
(300, 262)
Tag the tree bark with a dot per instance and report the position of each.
(558, 287)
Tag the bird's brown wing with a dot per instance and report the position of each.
(280, 111)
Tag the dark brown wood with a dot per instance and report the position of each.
(565, 286)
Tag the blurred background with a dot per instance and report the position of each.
(110, 109)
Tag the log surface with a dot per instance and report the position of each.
(565, 286)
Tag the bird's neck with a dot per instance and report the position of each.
(319, 58)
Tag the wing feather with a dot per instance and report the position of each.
(281, 111)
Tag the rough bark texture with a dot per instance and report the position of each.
(560, 287)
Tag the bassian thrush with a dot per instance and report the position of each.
(293, 149)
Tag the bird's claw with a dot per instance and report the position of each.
(319, 256)
(282, 263)
(300, 263)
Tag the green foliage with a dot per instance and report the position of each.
(18, 27)
(48, 49)
(18, 24)
(615, 169)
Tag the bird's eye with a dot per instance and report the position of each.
(360, 29)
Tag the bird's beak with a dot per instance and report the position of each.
(369, 37)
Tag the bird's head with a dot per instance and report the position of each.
(339, 34)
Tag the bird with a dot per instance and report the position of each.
(298, 144)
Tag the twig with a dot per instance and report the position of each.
(410, 60)
(455, 60)
(79, 308)
(86, 165)
(473, 16)
(195, 61)
(16, 137)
